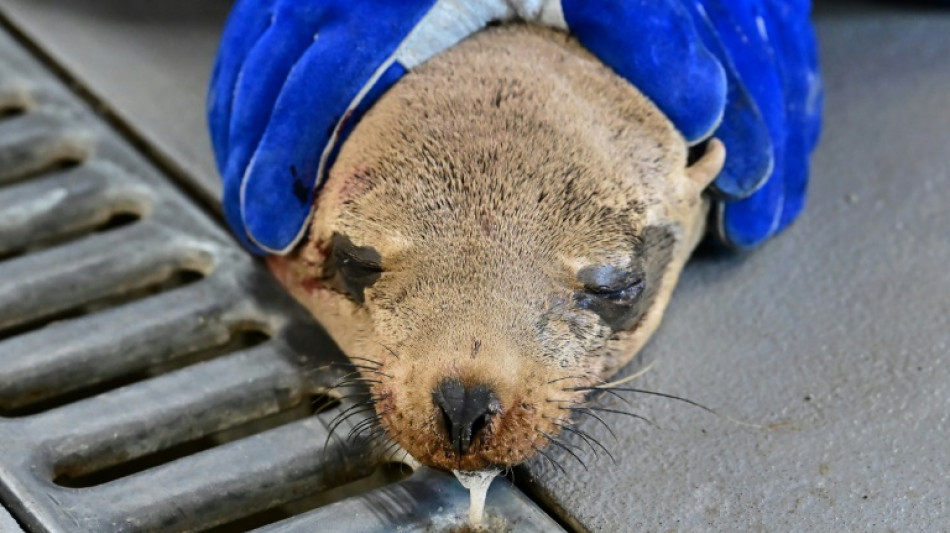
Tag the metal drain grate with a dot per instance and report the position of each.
(152, 376)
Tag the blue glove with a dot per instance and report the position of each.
(773, 52)
(294, 76)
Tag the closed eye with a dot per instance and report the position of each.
(357, 267)
(618, 303)
(353, 268)
(625, 295)
(613, 284)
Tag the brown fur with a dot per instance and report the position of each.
(486, 180)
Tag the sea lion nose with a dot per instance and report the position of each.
(465, 411)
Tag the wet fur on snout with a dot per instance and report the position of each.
(488, 183)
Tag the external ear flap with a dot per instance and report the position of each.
(704, 171)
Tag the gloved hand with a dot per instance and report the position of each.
(294, 76)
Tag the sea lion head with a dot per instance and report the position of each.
(501, 230)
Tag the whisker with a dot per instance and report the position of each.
(334, 425)
(588, 412)
(359, 376)
(619, 412)
(552, 461)
(368, 360)
(340, 385)
(608, 391)
(654, 393)
(388, 349)
(322, 368)
(350, 374)
(343, 415)
(350, 380)
(336, 364)
(391, 451)
(564, 447)
(378, 435)
(579, 435)
(348, 385)
(365, 368)
(586, 437)
(358, 394)
(353, 381)
(356, 405)
(337, 425)
(317, 409)
(565, 378)
(631, 377)
(392, 458)
(361, 426)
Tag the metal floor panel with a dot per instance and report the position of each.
(439, 500)
(131, 324)
(7, 524)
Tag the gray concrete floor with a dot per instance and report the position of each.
(823, 351)
(148, 61)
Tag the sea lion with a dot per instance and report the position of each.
(502, 230)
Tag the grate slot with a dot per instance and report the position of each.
(65, 356)
(196, 401)
(63, 363)
(14, 102)
(32, 145)
(9, 112)
(278, 466)
(177, 278)
(70, 281)
(62, 207)
(110, 221)
(385, 474)
(240, 340)
(297, 412)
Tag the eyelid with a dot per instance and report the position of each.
(628, 280)
(605, 291)
(346, 252)
(360, 263)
